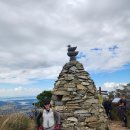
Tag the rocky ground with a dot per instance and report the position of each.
(116, 125)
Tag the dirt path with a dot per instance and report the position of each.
(116, 125)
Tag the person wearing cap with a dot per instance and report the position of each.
(48, 119)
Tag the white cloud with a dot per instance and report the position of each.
(34, 35)
(106, 60)
(20, 91)
(29, 75)
(112, 86)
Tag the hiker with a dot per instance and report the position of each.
(100, 98)
(128, 112)
(122, 110)
(48, 119)
(108, 107)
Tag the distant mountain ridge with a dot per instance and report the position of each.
(2, 103)
(16, 98)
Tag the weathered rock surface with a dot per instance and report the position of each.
(74, 97)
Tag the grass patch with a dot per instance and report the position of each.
(17, 122)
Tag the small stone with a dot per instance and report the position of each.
(102, 118)
(85, 83)
(90, 81)
(59, 108)
(81, 123)
(67, 114)
(66, 98)
(58, 83)
(92, 101)
(84, 97)
(75, 101)
(90, 87)
(81, 87)
(100, 110)
(71, 89)
(80, 112)
(62, 83)
(83, 77)
(58, 103)
(69, 77)
(69, 85)
(72, 119)
(91, 119)
(94, 111)
(85, 114)
(94, 124)
(76, 98)
(74, 107)
(64, 71)
(73, 69)
(60, 93)
(83, 92)
(74, 93)
(81, 80)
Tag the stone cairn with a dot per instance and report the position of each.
(74, 97)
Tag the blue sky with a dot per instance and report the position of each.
(118, 76)
(34, 36)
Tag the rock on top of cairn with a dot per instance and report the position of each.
(72, 53)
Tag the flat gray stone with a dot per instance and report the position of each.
(92, 101)
(80, 112)
(83, 77)
(61, 92)
(66, 98)
(71, 89)
(59, 108)
(91, 119)
(81, 87)
(73, 69)
(72, 119)
(69, 77)
(85, 83)
(58, 103)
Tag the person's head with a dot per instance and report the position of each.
(123, 96)
(122, 102)
(107, 98)
(47, 104)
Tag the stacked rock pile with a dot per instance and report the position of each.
(74, 97)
